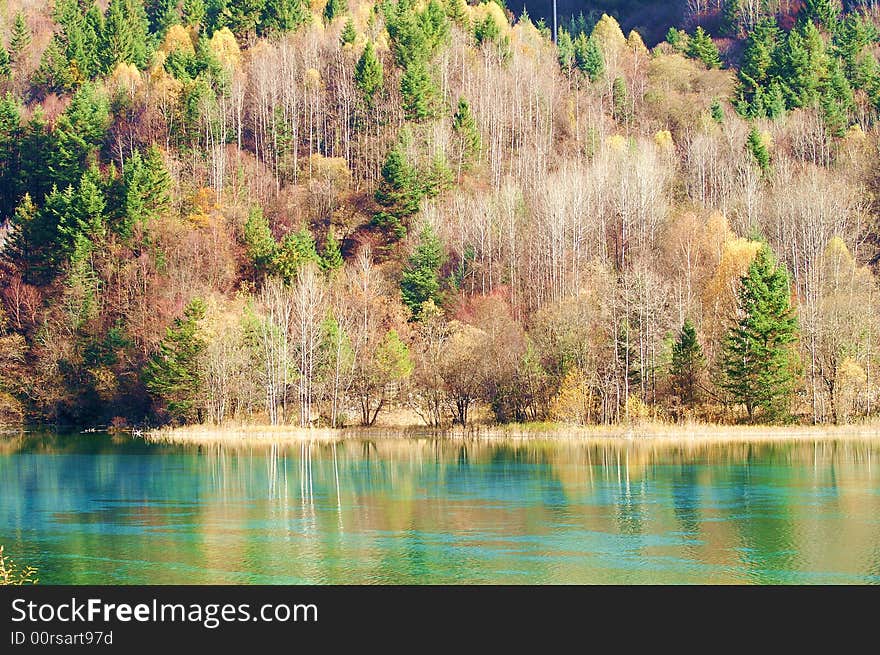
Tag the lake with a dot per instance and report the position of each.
(99, 509)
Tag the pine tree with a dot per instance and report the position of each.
(758, 362)
(420, 280)
(457, 12)
(280, 16)
(84, 213)
(5, 69)
(731, 18)
(678, 39)
(588, 57)
(79, 133)
(92, 29)
(717, 111)
(117, 43)
(348, 34)
(331, 256)
(261, 245)
(773, 102)
(368, 73)
(757, 63)
(756, 146)
(53, 74)
(820, 12)
(10, 159)
(193, 12)
(687, 364)
(161, 15)
(565, 51)
(702, 47)
(172, 374)
(398, 190)
(419, 92)
(805, 66)
(334, 8)
(146, 190)
(465, 127)
(487, 30)
(295, 251)
(20, 38)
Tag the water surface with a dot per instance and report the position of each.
(96, 509)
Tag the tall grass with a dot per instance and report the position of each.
(11, 574)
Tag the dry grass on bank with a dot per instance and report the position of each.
(689, 432)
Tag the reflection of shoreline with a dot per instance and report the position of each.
(654, 433)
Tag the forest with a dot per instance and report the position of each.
(339, 212)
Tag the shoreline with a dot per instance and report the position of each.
(643, 433)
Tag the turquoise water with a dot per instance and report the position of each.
(96, 509)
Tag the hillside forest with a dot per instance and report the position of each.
(331, 212)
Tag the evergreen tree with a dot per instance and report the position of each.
(146, 190)
(53, 75)
(172, 374)
(193, 12)
(334, 8)
(242, 17)
(565, 50)
(19, 39)
(702, 47)
(10, 161)
(717, 111)
(821, 12)
(419, 92)
(348, 34)
(678, 39)
(399, 187)
(805, 66)
(773, 101)
(756, 146)
(34, 156)
(92, 29)
(5, 69)
(117, 42)
(758, 362)
(687, 364)
(398, 194)
(84, 213)
(731, 18)
(295, 251)
(420, 281)
(465, 127)
(280, 16)
(261, 246)
(487, 30)
(162, 14)
(457, 12)
(757, 63)
(588, 57)
(78, 134)
(837, 101)
(331, 256)
(368, 73)
(854, 34)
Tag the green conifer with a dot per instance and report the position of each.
(702, 47)
(348, 35)
(368, 73)
(420, 281)
(758, 362)
(172, 375)
(687, 364)
(19, 39)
